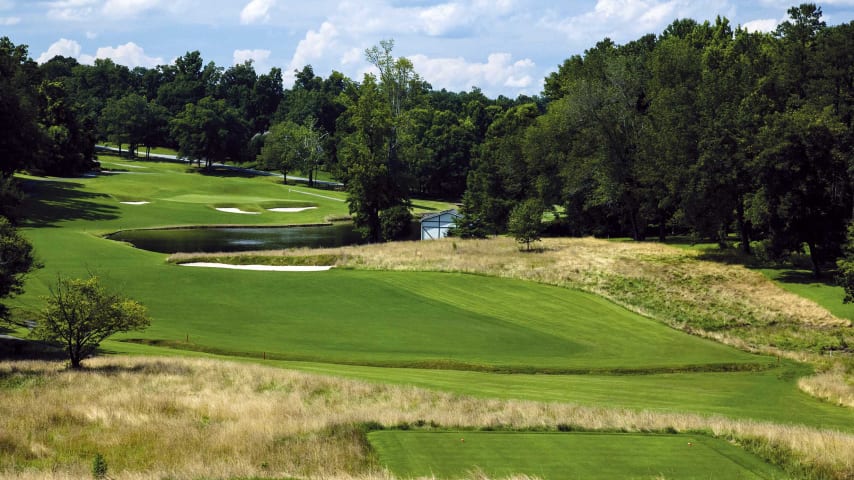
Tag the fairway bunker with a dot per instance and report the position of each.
(290, 209)
(135, 203)
(260, 268)
(236, 210)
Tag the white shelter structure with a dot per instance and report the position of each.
(436, 225)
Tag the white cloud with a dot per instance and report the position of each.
(763, 25)
(256, 11)
(312, 47)
(71, 10)
(260, 59)
(458, 74)
(91, 35)
(129, 54)
(64, 47)
(257, 55)
(9, 21)
(128, 8)
(441, 19)
(354, 55)
(7, 4)
(625, 20)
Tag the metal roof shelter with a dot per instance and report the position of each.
(436, 225)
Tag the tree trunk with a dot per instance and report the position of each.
(743, 227)
(815, 258)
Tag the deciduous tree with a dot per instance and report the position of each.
(80, 314)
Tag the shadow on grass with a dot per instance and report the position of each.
(805, 277)
(50, 201)
(229, 172)
(149, 368)
(23, 349)
(784, 272)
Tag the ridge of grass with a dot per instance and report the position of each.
(445, 364)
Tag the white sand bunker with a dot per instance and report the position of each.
(264, 268)
(290, 209)
(237, 210)
(136, 203)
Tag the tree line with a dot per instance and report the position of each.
(704, 129)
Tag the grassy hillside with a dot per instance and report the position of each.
(411, 314)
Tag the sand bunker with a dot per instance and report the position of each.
(264, 268)
(237, 210)
(136, 203)
(290, 209)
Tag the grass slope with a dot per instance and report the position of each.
(552, 456)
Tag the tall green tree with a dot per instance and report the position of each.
(70, 145)
(211, 131)
(133, 120)
(16, 260)
(19, 108)
(374, 168)
(804, 195)
(499, 177)
(371, 185)
(290, 147)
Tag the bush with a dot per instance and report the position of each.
(99, 467)
(395, 222)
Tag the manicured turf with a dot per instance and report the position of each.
(552, 456)
(383, 318)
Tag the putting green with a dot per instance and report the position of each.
(552, 456)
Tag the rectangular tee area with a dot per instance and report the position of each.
(552, 456)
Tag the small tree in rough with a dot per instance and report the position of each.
(526, 222)
(80, 314)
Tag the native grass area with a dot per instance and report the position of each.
(432, 337)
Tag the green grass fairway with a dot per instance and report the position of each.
(553, 456)
(458, 329)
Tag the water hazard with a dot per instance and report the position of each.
(231, 239)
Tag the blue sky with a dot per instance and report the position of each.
(502, 46)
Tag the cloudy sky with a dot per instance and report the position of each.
(502, 46)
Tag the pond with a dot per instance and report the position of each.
(231, 239)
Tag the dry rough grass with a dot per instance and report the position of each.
(156, 418)
(832, 386)
(728, 303)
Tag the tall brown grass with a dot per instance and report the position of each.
(728, 303)
(155, 418)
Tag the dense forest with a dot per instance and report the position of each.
(705, 129)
